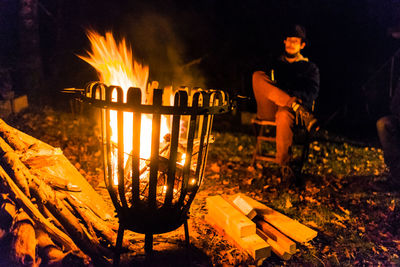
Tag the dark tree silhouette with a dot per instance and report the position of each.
(30, 73)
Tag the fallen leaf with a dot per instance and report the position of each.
(344, 210)
(392, 205)
(288, 204)
(325, 250)
(215, 167)
(312, 224)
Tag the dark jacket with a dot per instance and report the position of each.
(300, 79)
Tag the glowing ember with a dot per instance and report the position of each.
(116, 66)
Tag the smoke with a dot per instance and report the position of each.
(157, 43)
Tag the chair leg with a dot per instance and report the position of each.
(118, 245)
(258, 147)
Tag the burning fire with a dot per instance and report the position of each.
(116, 66)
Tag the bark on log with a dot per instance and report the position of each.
(23, 201)
(21, 141)
(45, 194)
(16, 173)
(52, 255)
(7, 213)
(23, 244)
(90, 217)
(47, 250)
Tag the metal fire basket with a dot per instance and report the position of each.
(143, 208)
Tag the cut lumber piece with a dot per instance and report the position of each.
(244, 207)
(292, 228)
(278, 250)
(282, 240)
(254, 245)
(229, 218)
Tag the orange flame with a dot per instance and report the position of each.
(116, 66)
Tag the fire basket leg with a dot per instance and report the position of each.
(187, 239)
(118, 245)
(148, 244)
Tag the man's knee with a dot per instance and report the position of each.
(284, 116)
(258, 76)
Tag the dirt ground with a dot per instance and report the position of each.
(344, 196)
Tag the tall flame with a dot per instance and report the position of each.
(116, 66)
(113, 62)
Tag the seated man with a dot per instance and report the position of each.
(388, 128)
(287, 88)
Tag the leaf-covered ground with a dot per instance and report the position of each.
(344, 196)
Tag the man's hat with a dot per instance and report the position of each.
(297, 31)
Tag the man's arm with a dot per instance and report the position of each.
(308, 84)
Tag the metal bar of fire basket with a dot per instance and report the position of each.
(203, 126)
(180, 100)
(220, 101)
(155, 146)
(120, 147)
(107, 140)
(189, 150)
(134, 97)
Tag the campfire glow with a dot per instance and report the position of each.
(116, 66)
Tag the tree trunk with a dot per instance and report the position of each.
(30, 71)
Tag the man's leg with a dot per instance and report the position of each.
(284, 134)
(265, 93)
(389, 135)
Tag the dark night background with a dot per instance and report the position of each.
(215, 44)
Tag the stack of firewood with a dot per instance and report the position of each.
(256, 228)
(48, 212)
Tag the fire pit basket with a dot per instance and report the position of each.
(160, 201)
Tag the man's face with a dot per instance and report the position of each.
(293, 45)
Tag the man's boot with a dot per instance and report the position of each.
(310, 122)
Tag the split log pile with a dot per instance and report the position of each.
(49, 213)
(255, 227)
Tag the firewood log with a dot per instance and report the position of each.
(7, 213)
(52, 255)
(98, 224)
(75, 230)
(15, 172)
(47, 214)
(23, 244)
(47, 250)
(47, 195)
(23, 201)
(18, 140)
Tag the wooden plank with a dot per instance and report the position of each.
(278, 250)
(254, 245)
(229, 217)
(292, 228)
(244, 207)
(278, 237)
